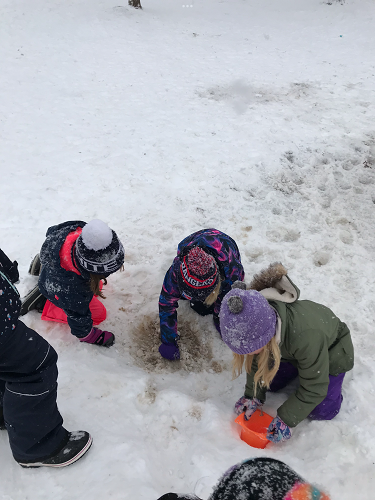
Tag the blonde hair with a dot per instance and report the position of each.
(214, 294)
(268, 364)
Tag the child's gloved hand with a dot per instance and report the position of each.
(278, 431)
(170, 351)
(247, 405)
(99, 337)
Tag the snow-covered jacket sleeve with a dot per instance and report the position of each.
(168, 304)
(80, 322)
(10, 306)
(72, 294)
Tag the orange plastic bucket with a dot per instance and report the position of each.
(254, 430)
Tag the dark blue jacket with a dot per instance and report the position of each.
(10, 304)
(66, 289)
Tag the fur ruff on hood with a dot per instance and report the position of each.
(274, 284)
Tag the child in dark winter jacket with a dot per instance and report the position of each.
(28, 388)
(74, 258)
(208, 262)
(282, 338)
(259, 479)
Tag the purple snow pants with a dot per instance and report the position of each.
(331, 404)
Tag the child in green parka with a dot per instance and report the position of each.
(279, 338)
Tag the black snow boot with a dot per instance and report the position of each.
(33, 300)
(35, 266)
(78, 444)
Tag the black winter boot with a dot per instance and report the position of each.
(35, 266)
(33, 300)
(78, 444)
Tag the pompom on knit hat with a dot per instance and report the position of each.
(247, 321)
(98, 249)
(198, 274)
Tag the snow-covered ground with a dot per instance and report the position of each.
(256, 118)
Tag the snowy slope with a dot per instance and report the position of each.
(256, 118)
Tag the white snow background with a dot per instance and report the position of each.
(256, 118)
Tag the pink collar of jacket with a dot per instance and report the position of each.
(65, 253)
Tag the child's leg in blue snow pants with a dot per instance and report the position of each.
(28, 379)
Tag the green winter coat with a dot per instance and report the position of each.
(316, 342)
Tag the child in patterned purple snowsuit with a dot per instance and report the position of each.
(208, 262)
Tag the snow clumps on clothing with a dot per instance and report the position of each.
(247, 321)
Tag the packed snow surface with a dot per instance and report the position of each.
(255, 118)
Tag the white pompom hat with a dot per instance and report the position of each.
(98, 249)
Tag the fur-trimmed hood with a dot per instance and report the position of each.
(274, 284)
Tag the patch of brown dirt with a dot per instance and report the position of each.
(195, 412)
(216, 366)
(195, 348)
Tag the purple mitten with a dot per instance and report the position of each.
(169, 351)
(247, 405)
(278, 431)
(99, 337)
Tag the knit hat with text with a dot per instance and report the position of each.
(98, 249)
(198, 274)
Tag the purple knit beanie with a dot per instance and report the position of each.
(247, 321)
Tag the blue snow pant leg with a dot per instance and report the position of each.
(331, 404)
(28, 373)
